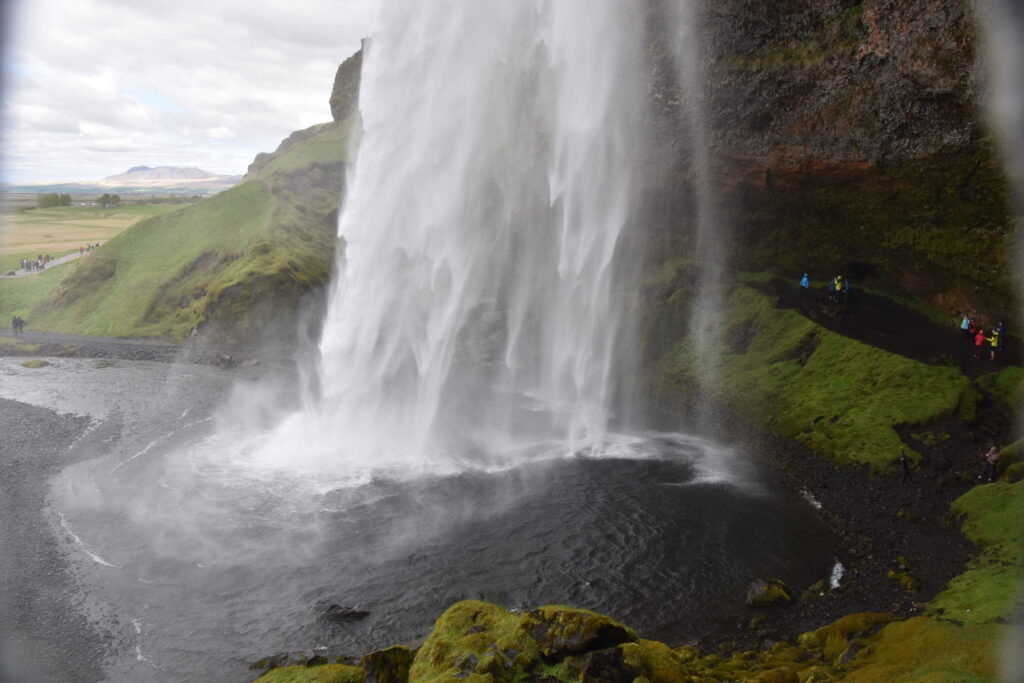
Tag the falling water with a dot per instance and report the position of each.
(495, 175)
(706, 224)
(1003, 24)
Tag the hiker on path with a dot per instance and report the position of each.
(994, 341)
(965, 327)
(904, 468)
(837, 288)
(979, 341)
(1001, 329)
(805, 284)
(991, 459)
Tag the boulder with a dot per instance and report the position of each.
(604, 666)
(560, 631)
(768, 593)
(340, 614)
(390, 665)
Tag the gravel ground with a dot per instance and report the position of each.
(44, 636)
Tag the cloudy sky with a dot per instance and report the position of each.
(93, 87)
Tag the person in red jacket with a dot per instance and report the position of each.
(979, 341)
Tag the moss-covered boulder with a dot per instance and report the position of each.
(474, 638)
(561, 631)
(768, 593)
(390, 665)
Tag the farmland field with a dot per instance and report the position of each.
(64, 229)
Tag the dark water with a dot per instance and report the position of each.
(200, 562)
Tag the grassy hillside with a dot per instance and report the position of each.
(63, 229)
(237, 265)
(240, 266)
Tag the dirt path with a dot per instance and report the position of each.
(887, 325)
(165, 350)
(22, 272)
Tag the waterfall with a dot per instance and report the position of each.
(707, 228)
(495, 174)
(1003, 24)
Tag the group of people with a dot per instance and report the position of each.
(974, 335)
(18, 325)
(87, 247)
(989, 470)
(38, 263)
(838, 289)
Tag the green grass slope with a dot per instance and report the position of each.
(235, 264)
(241, 266)
(840, 397)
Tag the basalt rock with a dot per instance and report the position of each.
(340, 614)
(768, 593)
(560, 632)
(390, 665)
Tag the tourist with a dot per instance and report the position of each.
(965, 326)
(1001, 329)
(904, 468)
(837, 289)
(805, 284)
(994, 342)
(991, 459)
(979, 341)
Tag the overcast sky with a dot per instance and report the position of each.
(93, 87)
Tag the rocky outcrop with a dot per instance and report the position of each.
(844, 137)
(345, 93)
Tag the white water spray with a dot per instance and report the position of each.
(709, 251)
(495, 176)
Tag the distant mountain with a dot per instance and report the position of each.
(147, 175)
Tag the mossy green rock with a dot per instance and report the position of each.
(834, 640)
(768, 593)
(562, 631)
(390, 665)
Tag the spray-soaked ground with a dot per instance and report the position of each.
(200, 561)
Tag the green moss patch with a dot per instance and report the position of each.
(990, 589)
(840, 397)
(35, 364)
(325, 673)
(1007, 386)
(923, 649)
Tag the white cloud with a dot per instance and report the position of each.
(93, 87)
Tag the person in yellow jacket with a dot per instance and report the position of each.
(994, 342)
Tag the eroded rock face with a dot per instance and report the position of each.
(390, 665)
(844, 136)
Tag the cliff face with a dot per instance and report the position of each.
(846, 137)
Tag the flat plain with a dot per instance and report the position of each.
(62, 230)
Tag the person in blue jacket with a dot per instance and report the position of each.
(805, 284)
